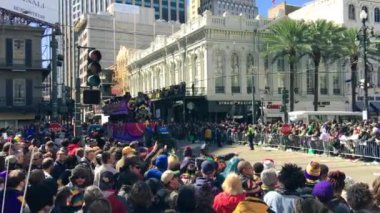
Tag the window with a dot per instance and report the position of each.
(351, 12)
(19, 92)
(377, 14)
(281, 64)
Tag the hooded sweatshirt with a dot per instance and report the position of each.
(226, 203)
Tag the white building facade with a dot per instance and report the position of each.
(220, 56)
(347, 13)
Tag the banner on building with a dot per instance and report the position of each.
(41, 10)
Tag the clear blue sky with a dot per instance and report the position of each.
(264, 5)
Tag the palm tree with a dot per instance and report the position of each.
(352, 50)
(287, 38)
(325, 38)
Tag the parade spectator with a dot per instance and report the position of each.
(107, 162)
(37, 160)
(312, 174)
(88, 160)
(91, 193)
(100, 205)
(170, 180)
(268, 164)
(130, 173)
(376, 190)
(140, 198)
(232, 194)
(188, 171)
(59, 167)
(14, 192)
(73, 146)
(269, 180)
(206, 181)
(338, 203)
(106, 184)
(186, 201)
(258, 167)
(251, 188)
(360, 198)
(286, 197)
(324, 172)
(36, 177)
(47, 167)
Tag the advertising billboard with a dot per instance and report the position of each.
(41, 10)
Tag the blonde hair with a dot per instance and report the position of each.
(232, 184)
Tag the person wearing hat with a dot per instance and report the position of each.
(171, 182)
(312, 174)
(206, 181)
(188, 170)
(81, 177)
(130, 173)
(106, 184)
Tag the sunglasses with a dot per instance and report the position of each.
(137, 167)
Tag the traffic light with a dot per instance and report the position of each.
(93, 68)
(91, 97)
(285, 96)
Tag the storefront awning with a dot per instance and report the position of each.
(373, 106)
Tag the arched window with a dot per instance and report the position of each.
(377, 14)
(351, 12)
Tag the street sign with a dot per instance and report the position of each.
(55, 127)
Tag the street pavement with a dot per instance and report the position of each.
(358, 170)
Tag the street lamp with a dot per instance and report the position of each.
(364, 40)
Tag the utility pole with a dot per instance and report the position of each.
(78, 123)
(54, 99)
(253, 100)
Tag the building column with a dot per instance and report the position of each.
(243, 73)
(228, 71)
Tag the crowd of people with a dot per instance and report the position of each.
(103, 175)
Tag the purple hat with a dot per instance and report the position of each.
(324, 191)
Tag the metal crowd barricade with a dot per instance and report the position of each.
(358, 148)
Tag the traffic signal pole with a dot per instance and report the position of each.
(78, 123)
(54, 93)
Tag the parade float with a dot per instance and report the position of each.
(130, 119)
